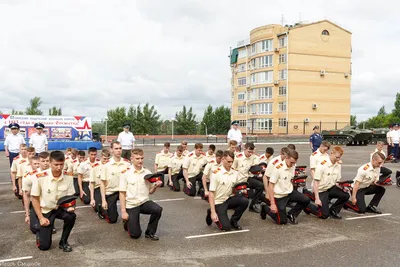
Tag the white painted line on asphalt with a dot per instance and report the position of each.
(81, 207)
(17, 259)
(169, 199)
(197, 198)
(222, 233)
(6, 183)
(19, 211)
(368, 216)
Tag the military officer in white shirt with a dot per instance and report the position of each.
(235, 134)
(13, 142)
(39, 140)
(127, 141)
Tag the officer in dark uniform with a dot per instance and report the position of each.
(315, 139)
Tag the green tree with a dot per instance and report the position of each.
(16, 112)
(116, 118)
(185, 122)
(147, 120)
(353, 120)
(208, 121)
(99, 127)
(382, 111)
(396, 110)
(33, 108)
(54, 111)
(222, 117)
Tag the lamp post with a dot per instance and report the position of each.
(206, 128)
(172, 136)
(105, 119)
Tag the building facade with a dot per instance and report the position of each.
(289, 79)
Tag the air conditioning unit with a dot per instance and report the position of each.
(322, 72)
(276, 49)
(307, 120)
(247, 85)
(276, 82)
(314, 106)
(346, 75)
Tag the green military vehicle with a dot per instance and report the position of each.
(349, 135)
(379, 134)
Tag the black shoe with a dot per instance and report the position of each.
(125, 223)
(65, 246)
(334, 215)
(100, 214)
(255, 208)
(152, 236)
(236, 226)
(292, 219)
(373, 209)
(263, 212)
(54, 231)
(208, 218)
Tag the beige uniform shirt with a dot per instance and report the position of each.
(367, 175)
(136, 187)
(282, 178)
(85, 168)
(376, 150)
(271, 167)
(162, 160)
(242, 164)
(27, 180)
(111, 172)
(67, 164)
(16, 162)
(316, 158)
(175, 163)
(210, 167)
(95, 174)
(194, 164)
(222, 182)
(50, 189)
(24, 168)
(327, 174)
(263, 158)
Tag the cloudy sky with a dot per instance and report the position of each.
(89, 56)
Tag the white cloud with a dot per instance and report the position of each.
(89, 56)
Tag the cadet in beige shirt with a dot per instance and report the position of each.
(27, 182)
(110, 174)
(281, 192)
(222, 180)
(95, 181)
(69, 162)
(162, 159)
(175, 172)
(134, 193)
(210, 167)
(319, 155)
(20, 159)
(365, 184)
(210, 154)
(267, 156)
(24, 167)
(84, 170)
(47, 189)
(192, 169)
(327, 173)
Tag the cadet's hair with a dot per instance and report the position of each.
(269, 150)
(44, 155)
(115, 143)
(380, 143)
(81, 153)
(212, 147)
(92, 149)
(74, 151)
(105, 152)
(219, 154)
(57, 156)
(137, 151)
(232, 143)
(293, 154)
(228, 153)
(184, 143)
(378, 155)
(167, 144)
(291, 146)
(249, 146)
(22, 145)
(69, 149)
(326, 144)
(198, 145)
(30, 149)
(337, 149)
(285, 150)
(179, 148)
(35, 158)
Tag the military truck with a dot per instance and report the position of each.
(379, 134)
(349, 135)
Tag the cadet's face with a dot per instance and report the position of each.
(335, 157)
(23, 151)
(227, 162)
(290, 162)
(232, 148)
(377, 162)
(81, 158)
(73, 156)
(248, 152)
(166, 149)
(44, 163)
(92, 156)
(35, 164)
(68, 154)
(198, 151)
(104, 159)
(218, 159)
(31, 155)
(323, 149)
(137, 160)
(379, 146)
(184, 147)
(56, 166)
(117, 150)
(210, 152)
(179, 153)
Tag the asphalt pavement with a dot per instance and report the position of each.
(186, 240)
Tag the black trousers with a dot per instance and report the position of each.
(258, 187)
(126, 154)
(196, 179)
(164, 172)
(301, 200)
(237, 203)
(97, 199)
(111, 215)
(11, 157)
(17, 191)
(43, 236)
(378, 192)
(149, 207)
(34, 224)
(385, 172)
(325, 197)
(85, 187)
(76, 186)
(175, 181)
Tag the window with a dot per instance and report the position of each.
(325, 32)
(263, 124)
(261, 109)
(282, 90)
(242, 81)
(253, 63)
(282, 58)
(242, 123)
(253, 49)
(241, 67)
(265, 61)
(242, 53)
(282, 107)
(282, 122)
(264, 93)
(241, 109)
(282, 74)
(282, 42)
(241, 96)
(262, 77)
(266, 45)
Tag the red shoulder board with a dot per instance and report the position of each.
(275, 162)
(262, 157)
(323, 162)
(239, 155)
(217, 170)
(366, 167)
(42, 174)
(315, 153)
(69, 173)
(17, 157)
(212, 161)
(33, 172)
(191, 154)
(279, 166)
(126, 160)
(124, 171)
(75, 160)
(22, 161)
(97, 164)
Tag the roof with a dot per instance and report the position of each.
(317, 22)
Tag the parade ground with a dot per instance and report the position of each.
(186, 240)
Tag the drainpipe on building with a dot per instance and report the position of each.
(247, 93)
(287, 79)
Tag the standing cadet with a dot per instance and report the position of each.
(95, 181)
(210, 154)
(242, 163)
(23, 168)
(210, 167)
(20, 159)
(47, 190)
(222, 181)
(39, 140)
(192, 166)
(13, 142)
(315, 139)
(84, 170)
(27, 180)
(267, 156)
(319, 155)
(161, 162)
(175, 172)
(365, 184)
(134, 191)
(281, 192)
(110, 174)
(235, 134)
(127, 141)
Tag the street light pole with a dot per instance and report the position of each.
(172, 129)
(206, 128)
(106, 129)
